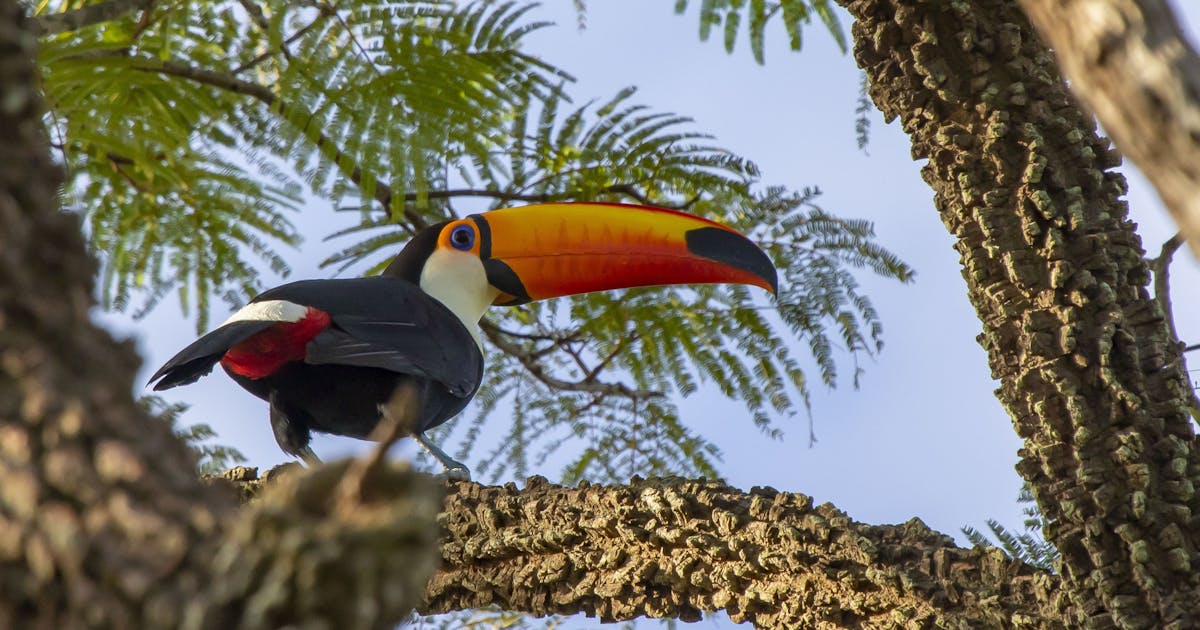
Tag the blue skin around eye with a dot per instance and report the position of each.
(456, 237)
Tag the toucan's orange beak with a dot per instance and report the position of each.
(550, 250)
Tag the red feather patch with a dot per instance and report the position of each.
(282, 343)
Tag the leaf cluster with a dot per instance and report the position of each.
(188, 129)
(211, 458)
(729, 15)
(1027, 546)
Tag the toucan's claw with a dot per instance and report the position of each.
(452, 469)
(459, 473)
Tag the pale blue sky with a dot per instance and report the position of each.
(924, 436)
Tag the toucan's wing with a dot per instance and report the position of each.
(391, 324)
(384, 345)
(380, 322)
(198, 359)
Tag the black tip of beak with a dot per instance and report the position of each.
(733, 249)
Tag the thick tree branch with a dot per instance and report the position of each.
(89, 15)
(674, 548)
(1129, 62)
(1087, 366)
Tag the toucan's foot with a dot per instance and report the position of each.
(458, 473)
(451, 469)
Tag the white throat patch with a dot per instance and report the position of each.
(457, 280)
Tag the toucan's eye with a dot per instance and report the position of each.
(462, 237)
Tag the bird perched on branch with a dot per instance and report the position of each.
(332, 355)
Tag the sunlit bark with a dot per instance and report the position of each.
(103, 524)
(1085, 360)
(1131, 64)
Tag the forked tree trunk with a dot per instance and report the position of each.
(102, 523)
(1087, 368)
(1130, 63)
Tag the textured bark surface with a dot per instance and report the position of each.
(673, 548)
(1056, 273)
(1130, 63)
(102, 523)
(98, 508)
(102, 520)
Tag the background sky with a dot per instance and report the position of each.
(924, 435)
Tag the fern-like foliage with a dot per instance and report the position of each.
(191, 129)
(1027, 546)
(211, 458)
(187, 128)
(602, 370)
(729, 15)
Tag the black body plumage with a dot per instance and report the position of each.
(381, 332)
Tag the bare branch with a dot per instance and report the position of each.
(673, 548)
(535, 368)
(1161, 268)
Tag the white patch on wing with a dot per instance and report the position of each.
(457, 279)
(269, 311)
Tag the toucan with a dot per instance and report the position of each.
(331, 355)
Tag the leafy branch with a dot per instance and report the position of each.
(794, 14)
(162, 123)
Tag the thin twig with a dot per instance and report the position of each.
(230, 83)
(537, 370)
(397, 419)
(324, 12)
(90, 15)
(621, 345)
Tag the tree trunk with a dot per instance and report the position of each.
(1130, 63)
(1086, 364)
(102, 523)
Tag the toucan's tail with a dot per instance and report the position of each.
(199, 358)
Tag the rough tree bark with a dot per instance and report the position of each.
(1084, 356)
(1130, 63)
(102, 523)
(673, 548)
